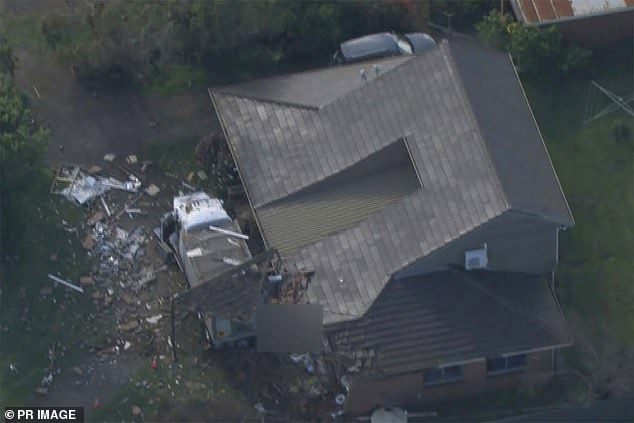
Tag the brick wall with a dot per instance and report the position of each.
(408, 389)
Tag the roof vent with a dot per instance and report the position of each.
(476, 259)
(363, 75)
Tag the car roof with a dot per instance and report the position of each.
(421, 42)
(373, 45)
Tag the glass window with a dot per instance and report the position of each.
(442, 375)
(503, 364)
(452, 373)
(516, 361)
(431, 376)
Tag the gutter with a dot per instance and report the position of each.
(233, 156)
(542, 139)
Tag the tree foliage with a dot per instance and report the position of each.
(22, 144)
(138, 40)
(536, 51)
(7, 56)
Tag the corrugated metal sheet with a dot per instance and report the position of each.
(539, 11)
(591, 7)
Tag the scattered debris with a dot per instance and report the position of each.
(88, 243)
(340, 399)
(81, 188)
(131, 159)
(96, 217)
(94, 170)
(136, 411)
(131, 325)
(154, 319)
(86, 280)
(152, 190)
(41, 391)
(109, 157)
(77, 371)
(188, 186)
(127, 345)
(202, 175)
(65, 283)
(105, 207)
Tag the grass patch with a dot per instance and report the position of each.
(595, 169)
(177, 158)
(31, 323)
(178, 79)
(24, 31)
(175, 155)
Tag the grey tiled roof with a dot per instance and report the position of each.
(452, 316)
(283, 146)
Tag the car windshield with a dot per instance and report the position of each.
(403, 45)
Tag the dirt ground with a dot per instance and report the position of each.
(86, 122)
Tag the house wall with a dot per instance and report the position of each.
(598, 30)
(408, 390)
(515, 243)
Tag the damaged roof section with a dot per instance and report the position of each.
(449, 317)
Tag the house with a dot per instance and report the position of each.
(589, 23)
(420, 193)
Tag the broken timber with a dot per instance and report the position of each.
(68, 284)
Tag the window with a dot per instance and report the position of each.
(506, 364)
(441, 375)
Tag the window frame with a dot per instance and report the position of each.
(506, 369)
(444, 380)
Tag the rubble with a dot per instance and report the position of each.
(152, 190)
(80, 187)
(131, 325)
(41, 391)
(154, 319)
(65, 283)
(136, 411)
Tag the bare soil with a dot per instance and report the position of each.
(86, 122)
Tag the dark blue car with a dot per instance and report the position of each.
(382, 45)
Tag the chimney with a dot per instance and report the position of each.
(363, 75)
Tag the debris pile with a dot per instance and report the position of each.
(82, 188)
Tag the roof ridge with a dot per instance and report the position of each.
(517, 310)
(265, 100)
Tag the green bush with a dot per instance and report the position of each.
(537, 51)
